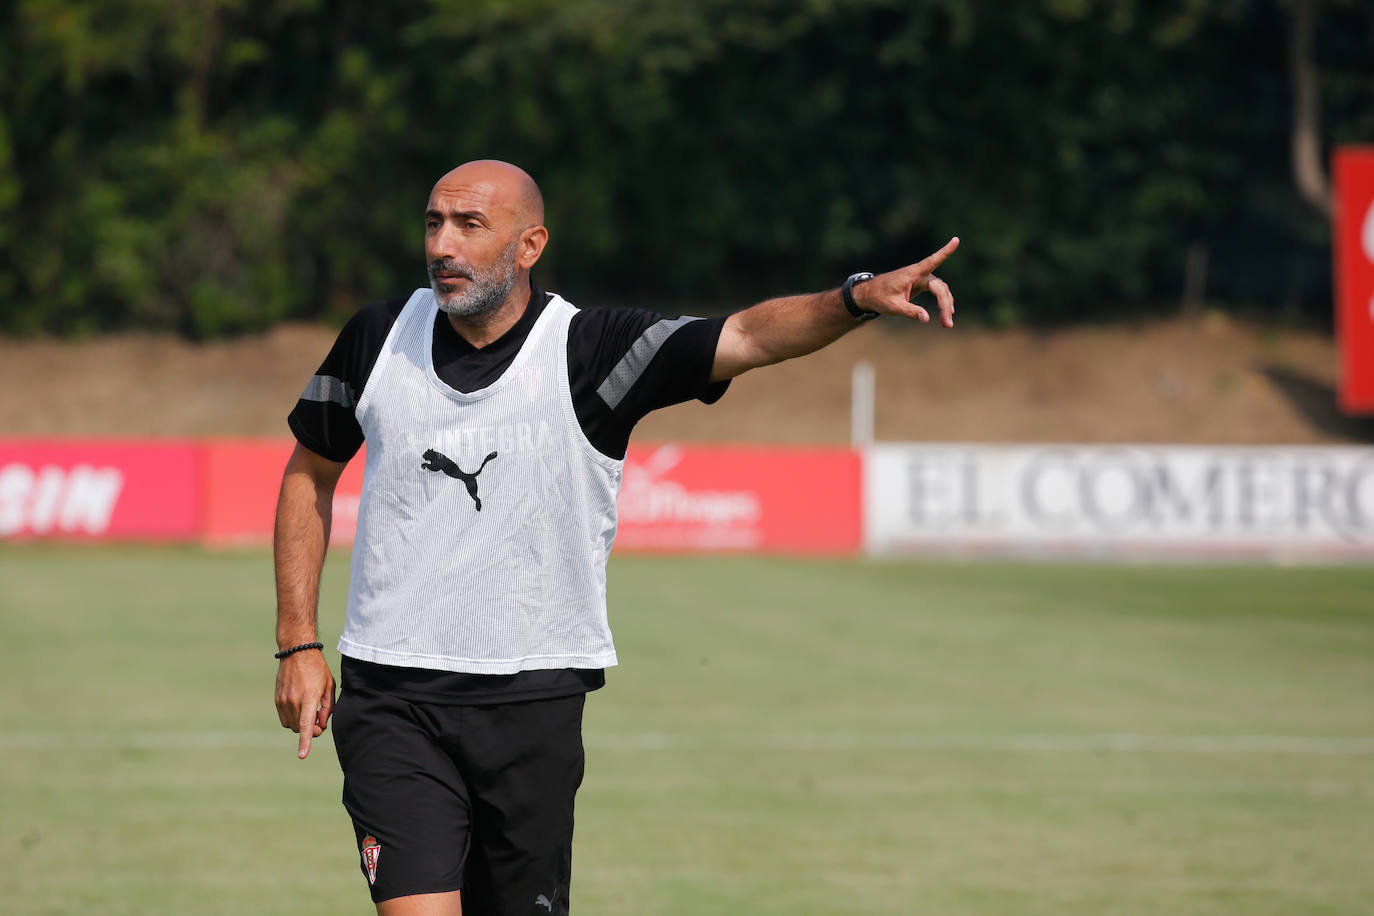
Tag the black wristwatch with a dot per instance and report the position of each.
(847, 294)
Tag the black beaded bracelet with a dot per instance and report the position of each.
(301, 648)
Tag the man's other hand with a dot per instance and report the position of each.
(305, 696)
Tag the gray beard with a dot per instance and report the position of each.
(487, 289)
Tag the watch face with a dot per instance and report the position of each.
(847, 294)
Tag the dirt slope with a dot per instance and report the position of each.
(1213, 380)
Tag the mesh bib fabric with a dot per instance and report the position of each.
(486, 517)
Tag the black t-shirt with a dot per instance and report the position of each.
(600, 341)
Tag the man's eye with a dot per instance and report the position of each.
(472, 224)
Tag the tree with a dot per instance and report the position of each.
(216, 167)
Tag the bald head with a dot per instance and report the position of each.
(503, 185)
(484, 231)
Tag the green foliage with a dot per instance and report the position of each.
(217, 167)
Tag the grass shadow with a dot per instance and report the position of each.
(1317, 401)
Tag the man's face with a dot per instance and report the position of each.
(465, 289)
(471, 246)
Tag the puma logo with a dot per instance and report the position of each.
(545, 902)
(438, 461)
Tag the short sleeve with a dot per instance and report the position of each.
(323, 419)
(624, 363)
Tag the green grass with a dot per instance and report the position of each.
(783, 737)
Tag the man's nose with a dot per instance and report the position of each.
(444, 243)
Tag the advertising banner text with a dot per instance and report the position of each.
(1179, 501)
(98, 489)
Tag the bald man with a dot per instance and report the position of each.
(497, 418)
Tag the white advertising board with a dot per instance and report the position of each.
(1113, 500)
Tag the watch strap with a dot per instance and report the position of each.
(847, 295)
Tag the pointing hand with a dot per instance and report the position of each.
(890, 293)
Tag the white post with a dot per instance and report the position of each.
(861, 404)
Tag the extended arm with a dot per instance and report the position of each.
(305, 686)
(790, 326)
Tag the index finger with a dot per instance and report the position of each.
(307, 729)
(938, 258)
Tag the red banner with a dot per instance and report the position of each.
(1353, 172)
(224, 491)
(726, 498)
(242, 479)
(673, 497)
(99, 489)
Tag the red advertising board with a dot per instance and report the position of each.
(1353, 172)
(727, 498)
(224, 492)
(99, 489)
(673, 497)
(242, 479)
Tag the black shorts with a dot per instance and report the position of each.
(470, 798)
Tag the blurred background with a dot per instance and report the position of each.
(214, 168)
(206, 171)
(843, 689)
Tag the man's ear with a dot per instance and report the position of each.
(532, 242)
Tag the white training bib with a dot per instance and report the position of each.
(486, 518)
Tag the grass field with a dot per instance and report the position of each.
(783, 737)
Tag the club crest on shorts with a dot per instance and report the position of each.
(372, 851)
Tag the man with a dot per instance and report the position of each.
(496, 418)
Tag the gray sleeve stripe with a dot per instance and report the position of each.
(330, 389)
(634, 362)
